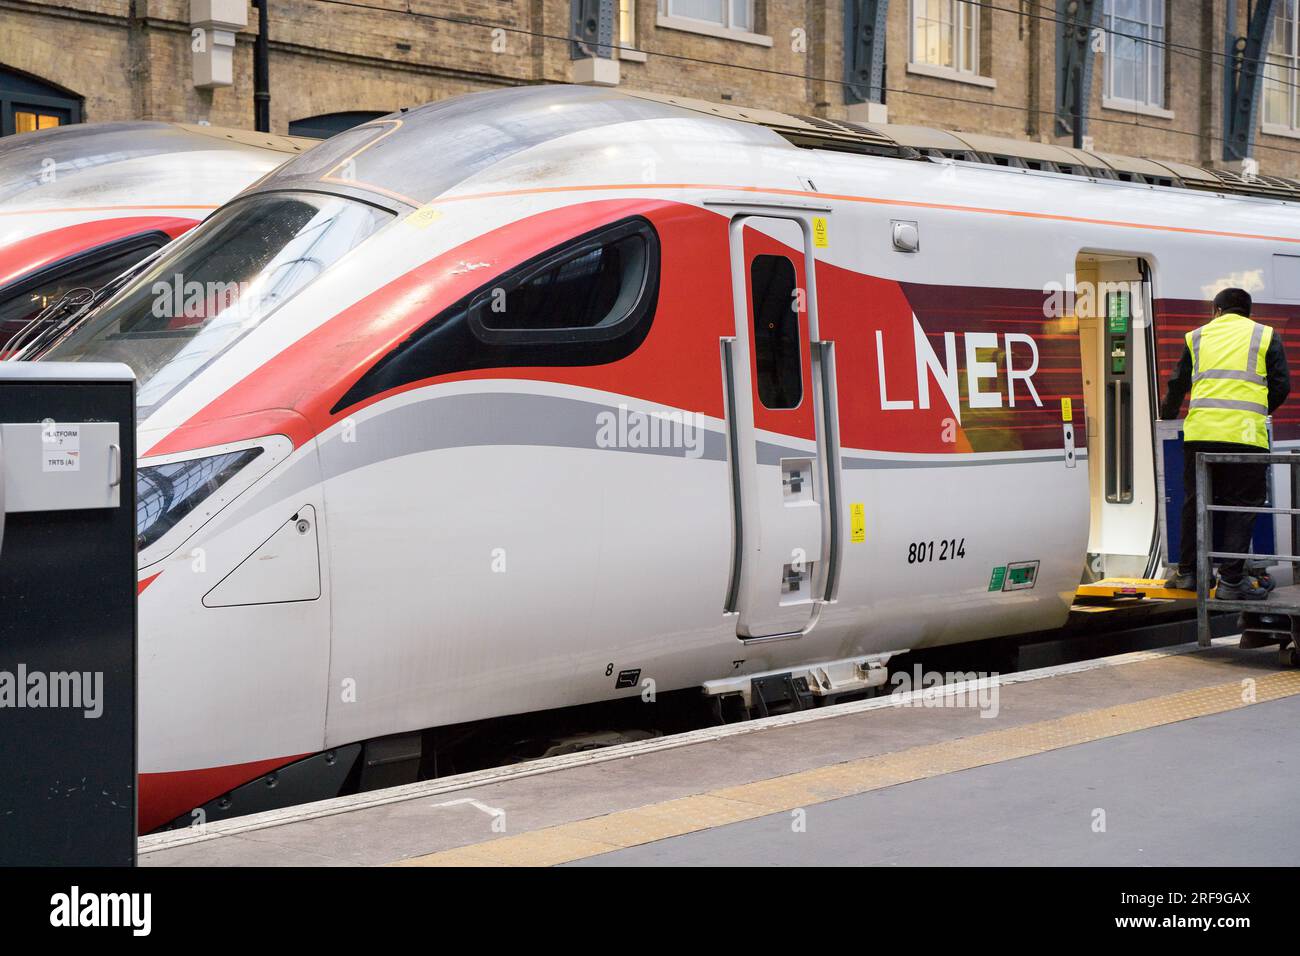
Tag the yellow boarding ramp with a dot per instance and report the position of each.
(1112, 594)
(1133, 588)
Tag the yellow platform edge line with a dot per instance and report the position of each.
(581, 839)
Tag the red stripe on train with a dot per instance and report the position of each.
(36, 252)
(678, 364)
(292, 393)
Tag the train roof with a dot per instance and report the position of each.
(390, 156)
(81, 158)
(926, 143)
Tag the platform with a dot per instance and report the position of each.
(1179, 756)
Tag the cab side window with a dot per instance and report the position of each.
(589, 301)
(586, 291)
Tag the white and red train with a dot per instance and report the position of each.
(527, 398)
(79, 204)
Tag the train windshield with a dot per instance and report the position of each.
(217, 284)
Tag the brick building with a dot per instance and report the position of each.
(1161, 75)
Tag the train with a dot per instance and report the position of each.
(79, 204)
(546, 396)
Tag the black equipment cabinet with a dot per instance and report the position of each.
(67, 615)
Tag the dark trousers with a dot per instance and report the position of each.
(1230, 485)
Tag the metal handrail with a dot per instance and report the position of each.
(1204, 537)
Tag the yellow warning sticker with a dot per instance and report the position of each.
(1067, 410)
(424, 216)
(821, 235)
(857, 523)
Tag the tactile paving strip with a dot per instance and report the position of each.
(659, 821)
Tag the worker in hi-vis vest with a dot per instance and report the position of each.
(1237, 372)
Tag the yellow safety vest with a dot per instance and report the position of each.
(1229, 386)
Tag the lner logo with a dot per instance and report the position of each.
(1015, 353)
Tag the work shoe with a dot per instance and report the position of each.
(1265, 581)
(1241, 590)
(1182, 581)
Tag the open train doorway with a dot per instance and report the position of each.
(1113, 307)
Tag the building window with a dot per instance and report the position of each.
(1282, 68)
(28, 104)
(331, 124)
(627, 24)
(1135, 52)
(728, 14)
(946, 34)
(29, 121)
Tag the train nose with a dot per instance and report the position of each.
(234, 625)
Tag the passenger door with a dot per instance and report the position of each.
(1114, 309)
(783, 450)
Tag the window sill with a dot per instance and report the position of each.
(630, 55)
(1270, 129)
(1142, 109)
(956, 76)
(704, 27)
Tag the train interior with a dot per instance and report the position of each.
(1112, 308)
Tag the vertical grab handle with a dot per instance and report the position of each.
(1117, 410)
(731, 601)
(1119, 445)
(828, 429)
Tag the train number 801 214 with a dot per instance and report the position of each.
(947, 550)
